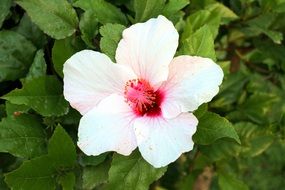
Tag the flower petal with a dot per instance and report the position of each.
(191, 82)
(107, 127)
(148, 48)
(90, 76)
(161, 141)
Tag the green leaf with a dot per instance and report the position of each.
(280, 8)
(89, 28)
(2, 111)
(258, 106)
(104, 11)
(39, 67)
(270, 51)
(245, 129)
(42, 172)
(227, 182)
(258, 145)
(13, 109)
(71, 118)
(132, 173)
(3, 185)
(67, 181)
(56, 18)
(146, 9)
(25, 131)
(92, 160)
(95, 175)
(16, 55)
(64, 49)
(201, 110)
(230, 91)
(261, 24)
(199, 19)
(275, 36)
(212, 127)
(224, 12)
(255, 140)
(61, 146)
(43, 94)
(31, 32)
(111, 35)
(201, 4)
(172, 9)
(201, 43)
(32, 175)
(262, 20)
(221, 149)
(4, 10)
(174, 6)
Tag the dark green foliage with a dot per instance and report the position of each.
(16, 55)
(42, 172)
(240, 140)
(132, 172)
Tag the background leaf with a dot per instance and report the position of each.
(38, 67)
(16, 55)
(95, 175)
(4, 10)
(103, 11)
(58, 12)
(62, 50)
(230, 182)
(41, 172)
(31, 32)
(146, 9)
(212, 127)
(89, 28)
(44, 95)
(240, 138)
(200, 19)
(67, 181)
(14, 109)
(221, 149)
(24, 131)
(172, 9)
(129, 173)
(111, 35)
(201, 43)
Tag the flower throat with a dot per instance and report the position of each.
(142, 98)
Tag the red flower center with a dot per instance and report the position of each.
(142, 98)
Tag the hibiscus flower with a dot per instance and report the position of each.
(145, 100)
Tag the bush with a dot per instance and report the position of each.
(239, 143)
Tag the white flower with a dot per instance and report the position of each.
(144, 100)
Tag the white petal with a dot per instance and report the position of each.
(161, 141)
(90, 76)
(148, 48)
(191, 82)
(107, 127)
